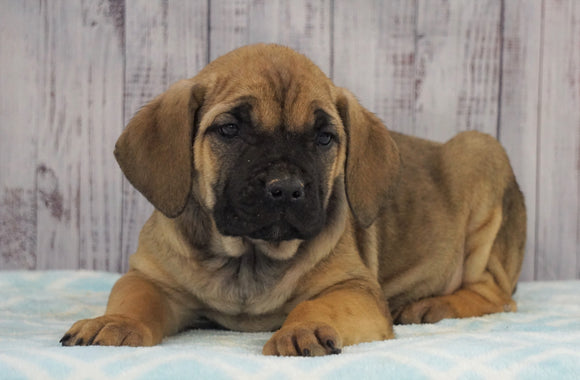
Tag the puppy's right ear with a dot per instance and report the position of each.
(155, 151)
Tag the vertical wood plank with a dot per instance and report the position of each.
(166, 41)
(78, 190)
(426, 67)
(145, 77)
(519, 106)
(303, 25)
(458, 64)
(558, 229)
(20, 119)
(374, 57)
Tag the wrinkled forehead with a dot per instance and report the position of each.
(277, 97)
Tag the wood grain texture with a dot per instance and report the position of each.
(73, 72)
(167, 41)
(458, 67)
(558, 196)
(78, 187)
(20, 120)
(374, 57)
(304, 25)
(518, 119)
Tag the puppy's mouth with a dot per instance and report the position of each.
(274, 231)
(277, 232)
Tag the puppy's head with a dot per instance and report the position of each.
(264, 141)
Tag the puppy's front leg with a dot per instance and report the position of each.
(138, 313)
(351, 313)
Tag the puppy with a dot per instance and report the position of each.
(282, 204)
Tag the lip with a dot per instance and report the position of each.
(276, 232)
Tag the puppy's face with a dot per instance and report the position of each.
(265, 143)
(268, 149)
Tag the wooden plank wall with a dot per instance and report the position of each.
(73, 72)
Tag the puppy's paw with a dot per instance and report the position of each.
(304, 339)
(108, 330)
(428, 310)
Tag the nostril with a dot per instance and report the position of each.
(298, 194)
(276, 193)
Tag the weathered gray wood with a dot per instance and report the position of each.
(558, 197)
(20, 120)
(166, 41)
(302, 24)
(374, 57)
(78, 189)
(519, 105)
(458, 67)
(432, 68)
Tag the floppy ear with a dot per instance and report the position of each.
(372, 161)
(155, 151)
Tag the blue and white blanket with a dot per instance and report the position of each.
(540, 341)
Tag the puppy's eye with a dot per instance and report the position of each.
(324, 138)
(229, 130)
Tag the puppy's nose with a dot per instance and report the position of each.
(288, 189)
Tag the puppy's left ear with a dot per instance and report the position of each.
(372, 161)
(155, 151)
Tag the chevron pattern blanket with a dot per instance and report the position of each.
(540, 341)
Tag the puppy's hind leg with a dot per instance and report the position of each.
(472, 300)
(494, 249)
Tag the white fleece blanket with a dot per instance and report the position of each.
(540, 341)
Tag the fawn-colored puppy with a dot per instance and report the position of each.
(283, 204)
